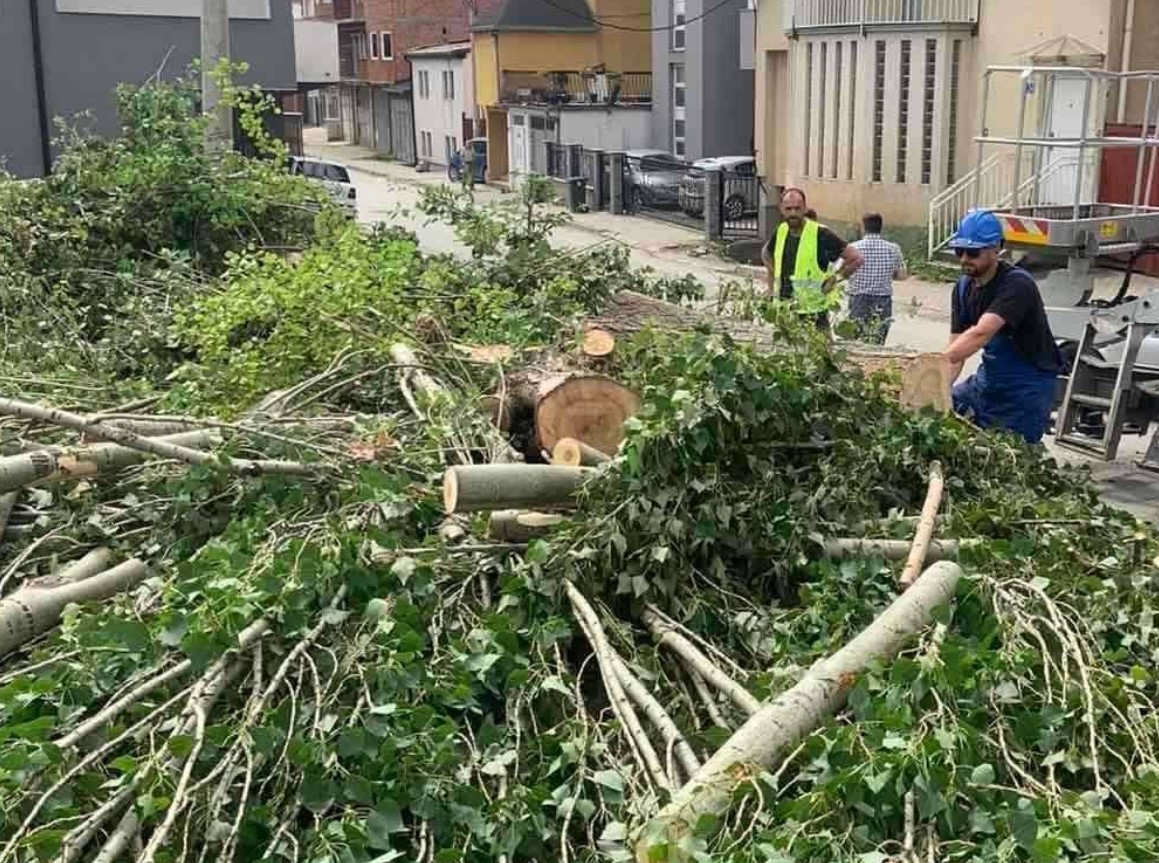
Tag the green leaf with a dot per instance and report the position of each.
(385, 820)
(983, 774)
(609, 779)
(1024, 825)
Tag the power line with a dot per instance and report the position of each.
(604, 23)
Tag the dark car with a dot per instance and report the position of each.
(740, 192)
(653, 179)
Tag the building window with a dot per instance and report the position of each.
(852, 109)
(451, 144)
(448, 84)
(822, 91)
(928, 111)
(679, 110)
(679, 28)
(878, 107)
(426, 144)
(424, 84)
(373, 46)
(387, 47)
(837, 46)
(808, 103)
(360, 45)
(903, 111)
(952, 148)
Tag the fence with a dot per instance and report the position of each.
(724, 202)
(740, 204)
(576, 88)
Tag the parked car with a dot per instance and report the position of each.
(335, 177)
(652, 178)
(741, 189)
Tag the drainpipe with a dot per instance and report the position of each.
(1125, 64)
(41, 95)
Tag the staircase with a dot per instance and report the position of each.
(995, 191)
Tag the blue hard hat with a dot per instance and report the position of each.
(979, 230)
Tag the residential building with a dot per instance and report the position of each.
(444, 100)
(374, 98)
(701, 97)
(60, 58)
(316, 55)
(561, 72)
(875, 104)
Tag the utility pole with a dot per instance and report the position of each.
(214, 49)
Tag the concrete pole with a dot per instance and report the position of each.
(214, 49)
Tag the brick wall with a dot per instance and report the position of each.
(414, 24)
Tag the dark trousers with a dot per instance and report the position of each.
(872, 314)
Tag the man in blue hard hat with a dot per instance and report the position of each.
(997, 309)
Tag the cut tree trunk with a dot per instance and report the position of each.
(57, 463)
(35, 607)
(476, 488)
(894, 549)
(570, 452)
(513, 525)
(794, 714)
(925, 377)
(591, 408)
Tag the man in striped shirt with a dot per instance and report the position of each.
(871, 287)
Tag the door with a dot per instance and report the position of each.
(520, 161)
(402, 128)
(383, 137)
(1060, 166)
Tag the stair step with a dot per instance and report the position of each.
(1091, 401)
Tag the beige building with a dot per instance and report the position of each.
(875, 104)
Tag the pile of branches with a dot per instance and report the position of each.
(399, 557)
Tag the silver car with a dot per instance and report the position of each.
(741, 187)
(334, 177)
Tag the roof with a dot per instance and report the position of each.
(1064, 51)
(558, 15)
(447, 49)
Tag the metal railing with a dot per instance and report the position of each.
(576, 88)
(1051, 184)
(740, 203)
(806, 14)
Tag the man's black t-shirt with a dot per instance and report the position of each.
(830, 247)
(1014, 297)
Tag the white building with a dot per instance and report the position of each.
(444, 99)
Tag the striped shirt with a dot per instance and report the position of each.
(883, 260)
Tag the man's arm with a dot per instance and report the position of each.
(851, 261)
(966, 344)
(902, 271)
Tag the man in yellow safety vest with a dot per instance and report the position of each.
(802, 249)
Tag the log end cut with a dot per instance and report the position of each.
(574, 453)
(598, 343)
(450, 491)
(588, 408)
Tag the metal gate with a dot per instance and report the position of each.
(740, 201)
(664, 187)
(364, 117)
(383, 140)
(402, 128)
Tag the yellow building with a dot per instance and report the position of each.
(551, 72)
(875, 104)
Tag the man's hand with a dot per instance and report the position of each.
(829, 284)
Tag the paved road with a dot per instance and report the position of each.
(389, 192)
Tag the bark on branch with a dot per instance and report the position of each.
(787, 719)
(894, 549)
(925, 531)
(66, 419)
(36, 607)
(474, 488)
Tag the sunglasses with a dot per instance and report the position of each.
(969, 253)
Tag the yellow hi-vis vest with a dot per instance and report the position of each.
(805, 267)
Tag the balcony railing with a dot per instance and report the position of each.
(576, 88)
(349, 10)
(348, 65)
(809, 14)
